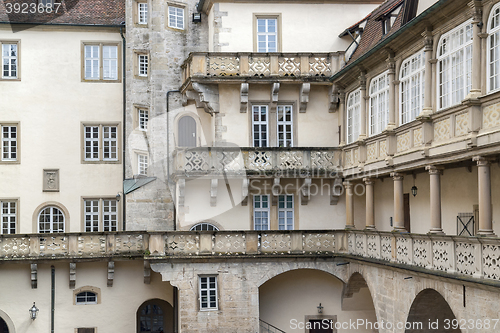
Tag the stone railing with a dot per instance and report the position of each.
(319, 65)
(472, 257)
(213, 160)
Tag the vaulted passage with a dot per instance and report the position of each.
(155, 316)
(433, 312)
(3, 326)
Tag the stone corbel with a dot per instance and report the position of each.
(207, 96)
(304, 96)
(244, 97)
(334, 99)
(147, 272)
(275, 89)
(335, 191)
(182, 192)
(111, 273)
(276, 191)
(34, 276)
(213, 192)
(72, 275)
(305, 191)
(244, 192)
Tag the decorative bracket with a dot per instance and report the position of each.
(34, 276)
(336, 191)
(111, 273)
(182, 192)
(207, 96)
(304, 96)
(244, 97)
(147, 272)
(244, 192)
(334, 99)
(305, 191)
(276, 191)
(274, 96)
(213, 192)
(72, 275)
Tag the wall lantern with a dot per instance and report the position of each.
(414, 189)
(320, 308)
(118, 196)
(33, 311)
(196, 17)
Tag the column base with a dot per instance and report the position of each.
(474, 94)
(426, 112)
(399, 229)
(436, 231)
(390, 127)
(350, 227)
(370, 228)
(486, 233)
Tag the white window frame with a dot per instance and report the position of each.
(454, 80)
(142, 13)
(102, 143)
(109, 143)
(176, 17)
(411, 87)
(353, 112)
(109, 63)
(86, 301)
(108, 66)
(142, 119)
(493, 65)
(204, 226)
(12, 60)
(143, 65)
(8, 219)
(378, 115)
(91, 215)
(258, 201)
(51, 222)
(102, 214)
(9, 143)
(287, 212)
(257, 136)
(206, 289)
(285, 134)
(265, 36)
(142, 164)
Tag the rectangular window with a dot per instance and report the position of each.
(142, 13)
(101, 62)
(99, 138)
(9, 143)
(261, 212)
(208, 293)
(143, 64)
(285, 212)
(142, 161)
(260, 125)
(10, 53)
(8, 216)
(176, 17)
(100, 215)
(285, 126)
(143, 116)
(267, 34)
(353, 115)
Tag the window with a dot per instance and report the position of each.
(10, 56)
(100, 62)
(379, 103)
(176, 17)
(285, 212)
(142, 164)
(142, 13)
(260, 125)
(86, 297)
(285, 126)
(261, 212)
(454, 65)
(51, 219)
(353, 116)
(493, 47)
(100, 215)
(208, 293)
(412, 87)
(143, 65)
(9, 143)
(267, 34)
(100, 143)
(204, 227)
(143, 116)
(8, 216)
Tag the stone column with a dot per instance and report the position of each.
(342, 111)
(362, 110)
(391, 65)
(349, 205)
(476, 53)
(484, 190)
(435, 199)
(370, 204)
(427, 109)
(399, 214)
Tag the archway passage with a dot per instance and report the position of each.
(430, 313)
(155, 316)
(3, 326)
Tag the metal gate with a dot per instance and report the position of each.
(465, 224)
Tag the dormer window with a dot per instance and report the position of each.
(388, 19)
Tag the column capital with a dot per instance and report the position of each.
(397, 176)
(347, 184)
(434, 170)
(482, 160)
(362, 80)
(369, 181)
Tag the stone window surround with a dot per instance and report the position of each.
(101, 44)
(100, 211)
(276, 16)
(118, 139)
(217, 286)
(185, 11)
(11, 41)
(46, 204)
(18, 133)
(95, 290)
(6, 199)
(135, 116)
(272, 126)
(135, 13)
(320, 317)
(138, 53)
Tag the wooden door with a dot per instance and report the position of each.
(320, 326)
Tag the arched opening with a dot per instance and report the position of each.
(430, 307)
(356, 295)
(291, 302)
(51, 219)
(204, 226)
(186, 132)
(155, 316)
(3, 326)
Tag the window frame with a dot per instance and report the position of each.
(15, 201)
(286, 210)
(184, 16)
(284, 123)
(267, 16)
(349, 128)
(17, 160)
(145, 164)
(376, 123)
(91, 289)
(208, 289)
(100, 213)
(201, 224)
(142, 121)
(260, 123)
(17, 42)
(145, 11)
(86, 302)
(445, 58)
(51, 231)
(262, 210)
(143, 65)
(490, 31)
(101, 59)
(101, 142)
(413, 74)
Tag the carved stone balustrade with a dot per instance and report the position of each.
(276, 162)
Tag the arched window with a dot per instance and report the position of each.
(86, 297)
(187, 132)
(411, 87)
(50, 219)
(493, 54)
(454, 65)
(204, 226)
(379, 103)
(353, 110)
(155, 316)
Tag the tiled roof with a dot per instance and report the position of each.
(78, 12)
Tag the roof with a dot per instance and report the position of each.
(70, 12)
(130, 185)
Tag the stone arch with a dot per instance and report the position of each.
(157, 308)
(429, 305)
(354, 286)
(5, 321)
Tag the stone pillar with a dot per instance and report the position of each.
(362, 109)
(399, 214)
(435, 199)
(370, 204)
(476, 53)
(484, 190)
(342, 111)
(391, 65)
(349, 205)
(427, 109)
